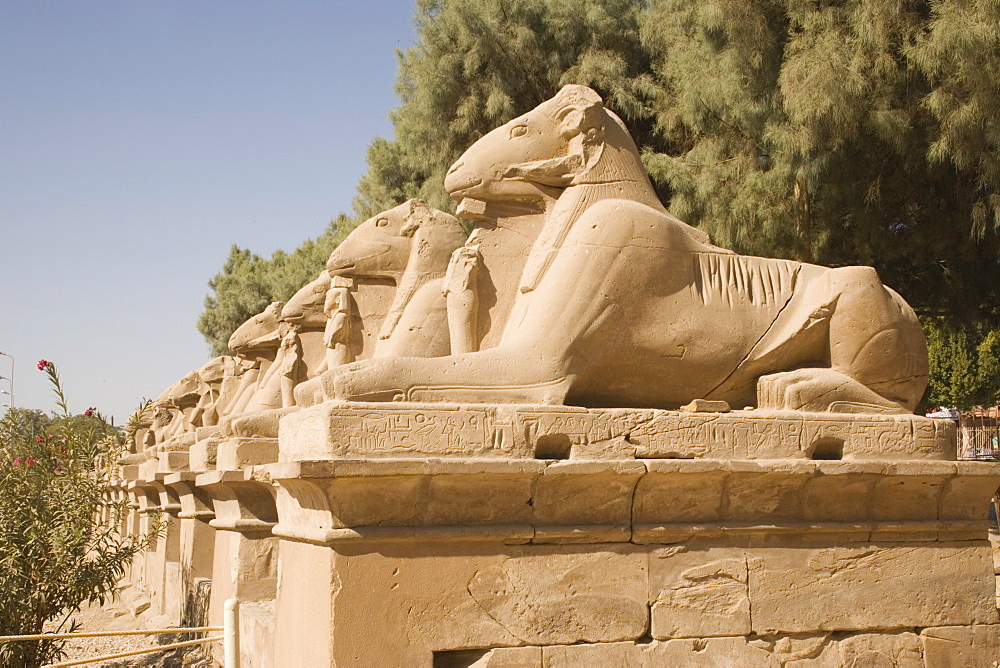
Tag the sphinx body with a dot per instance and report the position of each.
(621, 304)
(410, 246)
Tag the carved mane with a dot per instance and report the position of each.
(430, 231)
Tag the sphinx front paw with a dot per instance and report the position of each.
(369, 380)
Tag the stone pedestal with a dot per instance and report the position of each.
(150, 570)
(167, 567)
(197, 543)
(244, 557)
(880, 558)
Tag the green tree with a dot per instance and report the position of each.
(248, 283)
(479, 63)
(55, 552)
(838, 132)
(964, 365)
(33, 421)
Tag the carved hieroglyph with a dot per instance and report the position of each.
(621, 304)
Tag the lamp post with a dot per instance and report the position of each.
(10, 402)
(10, 378)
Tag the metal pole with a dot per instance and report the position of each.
(231, 634)
(11, 379)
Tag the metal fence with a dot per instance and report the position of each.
(979, 435)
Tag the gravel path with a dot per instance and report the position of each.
(116, 617)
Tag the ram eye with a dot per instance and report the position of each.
(518, 131)
(381, 222)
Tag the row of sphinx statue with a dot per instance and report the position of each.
(401, 284)
(575, 286)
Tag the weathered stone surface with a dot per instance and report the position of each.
(963, 494)
(500, 657)
(698, 593)
(450, 597)
(842, 492)
(316, 496)
(966, 646)
(586, 493)
(606, 655)
(681, 491)
(909, 489)
(257, 634)
(237, 452)
(203, 454)
(367, 430)
(900, 650)
(559, 598)
(773, 491)
(709, 652)
(407, 429)
(888, 650)
(870, 587)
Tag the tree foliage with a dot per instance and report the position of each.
(848, 132)
(477, 64)
(965, 365)
(56, 551)
(249, 282)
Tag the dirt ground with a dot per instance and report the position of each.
(116, 617)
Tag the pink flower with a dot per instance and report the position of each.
(30, 461)
(62, 450)
(44, 364)
(89, 412)
(49, 436)
(39, 439)
(17, 462)
(59, 469)
(63, 440)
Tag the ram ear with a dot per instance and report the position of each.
(416, 215)
(580, 111)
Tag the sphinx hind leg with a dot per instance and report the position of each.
(876, 339)
(877, 354)
(820, 390)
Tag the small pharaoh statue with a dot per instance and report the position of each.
(459, 289)
(338, 333)
(288, 361)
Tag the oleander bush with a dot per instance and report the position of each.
(59, 545)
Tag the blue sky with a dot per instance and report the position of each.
(139, 140)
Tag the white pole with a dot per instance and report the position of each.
(11, 378)
(231, 634)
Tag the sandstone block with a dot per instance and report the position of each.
(907, 494)
(257, 635)
(586, 493)
(670, 493)
(774, 491)
(239, 452)
(606, 655)
(840, 493)
(900, 650)
(499, 657)
(566, 597)
(708, 652)
(699, 593)
(870, 586)
(203, 454)
(966, 646)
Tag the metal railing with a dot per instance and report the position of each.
(230, 639)
(979, 435)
